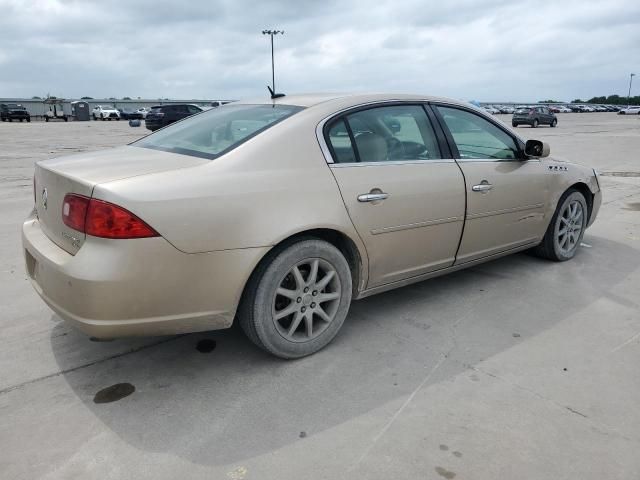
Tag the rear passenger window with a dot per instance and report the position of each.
(384, 134)
(341, 143)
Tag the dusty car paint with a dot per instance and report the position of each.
(218, 219)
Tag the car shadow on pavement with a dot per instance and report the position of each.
(228, 401)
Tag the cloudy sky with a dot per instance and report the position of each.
(488, 50)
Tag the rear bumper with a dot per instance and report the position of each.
(115, 288)
(153, 124)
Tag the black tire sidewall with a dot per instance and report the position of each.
(270, 280)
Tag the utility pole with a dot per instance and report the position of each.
(271, 33)
(629, 94)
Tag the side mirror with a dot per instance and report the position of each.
(537, 149)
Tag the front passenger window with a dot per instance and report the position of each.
(476, 137)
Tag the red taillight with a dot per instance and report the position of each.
(74, 211)
(103, 219)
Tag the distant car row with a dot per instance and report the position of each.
(155, 117)
(556, 108)
(161, 115)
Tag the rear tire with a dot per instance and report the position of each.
(29, 120)
(566, 229)
(535, 123)
(290, 311)
(514, 124)
(554, 123)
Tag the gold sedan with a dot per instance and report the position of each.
(279, 213)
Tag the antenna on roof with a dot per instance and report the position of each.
(272, 88)
(273, 94)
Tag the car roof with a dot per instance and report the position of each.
(313, 99)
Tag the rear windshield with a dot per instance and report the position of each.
(217, 131)
(523, 110)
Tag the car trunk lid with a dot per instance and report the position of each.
(79, 174)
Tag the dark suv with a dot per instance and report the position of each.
(13, 111)
(163, 115)
(534, 116)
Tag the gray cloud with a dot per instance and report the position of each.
(491, 49)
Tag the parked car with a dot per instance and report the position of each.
(564, 109)
(163, 115)
(14, 111)
(127, 114)
(491, 110)
(534, 116)
(105, 112)
(56, 112)
(507, 110)
(629, 111)
(143, 111)
(280, 212)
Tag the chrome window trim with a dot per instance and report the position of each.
(390, 162)
(496, 160)
(326, 151)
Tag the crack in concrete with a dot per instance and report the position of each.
(598, 426)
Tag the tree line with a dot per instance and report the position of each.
(611, 100)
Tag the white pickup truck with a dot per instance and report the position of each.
(105, 112)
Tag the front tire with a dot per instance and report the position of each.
(514, 124)
(297, 300)
(535, 123)
(564, 234)
(554, 123)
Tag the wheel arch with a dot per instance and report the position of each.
(343, 242)
(584, 189)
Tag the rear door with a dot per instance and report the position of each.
(404, 195)
(506, 193)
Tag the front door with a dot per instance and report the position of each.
(506, 193)
(406, 201)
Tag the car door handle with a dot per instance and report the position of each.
(483, 187)
(372, 197)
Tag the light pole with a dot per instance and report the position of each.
(271, 33)
(629, 94)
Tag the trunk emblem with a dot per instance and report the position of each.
(44, 198)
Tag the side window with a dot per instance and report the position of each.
(341, 143)
(193, 109)
(394, 133)
(478, 138)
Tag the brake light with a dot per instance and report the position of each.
(103, 219)
(74, 211)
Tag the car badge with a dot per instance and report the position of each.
(44, 198)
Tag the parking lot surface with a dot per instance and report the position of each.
(519, 368)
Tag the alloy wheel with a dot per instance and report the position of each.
(306, 300)
(569, 227)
